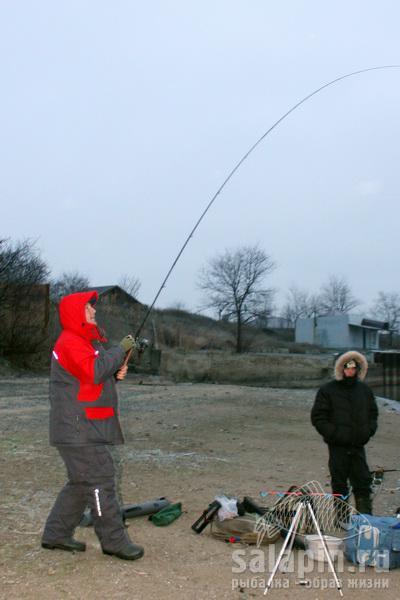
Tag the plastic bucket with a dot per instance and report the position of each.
(315, 547)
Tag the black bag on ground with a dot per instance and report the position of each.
(130, 511)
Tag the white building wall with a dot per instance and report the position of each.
(334, 332)
(304, 331)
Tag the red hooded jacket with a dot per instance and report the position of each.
(83, 396)
(74, 350)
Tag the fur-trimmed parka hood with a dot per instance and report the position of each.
(344, 358)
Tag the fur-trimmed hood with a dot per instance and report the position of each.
(344, 358)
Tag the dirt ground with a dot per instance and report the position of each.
(189, 443)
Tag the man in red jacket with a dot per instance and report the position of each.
(84, 422)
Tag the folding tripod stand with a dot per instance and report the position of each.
(303, 505)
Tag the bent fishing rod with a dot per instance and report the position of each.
(236, 167)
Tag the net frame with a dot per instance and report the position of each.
(333, 514)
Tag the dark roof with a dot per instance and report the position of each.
(373, 324)
(102, 289)
(356, 320)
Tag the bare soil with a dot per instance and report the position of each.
(189, 443)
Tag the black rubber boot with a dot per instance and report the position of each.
(128, 552)
(70, 545)
(364, 504)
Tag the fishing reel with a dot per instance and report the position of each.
(377, 481)
(141, 344)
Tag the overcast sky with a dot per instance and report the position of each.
(119, 121)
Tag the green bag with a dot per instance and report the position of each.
(166, 515)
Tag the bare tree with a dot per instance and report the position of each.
(130, 284)
(314, 306)
(387, 306)
(336, 296)
(301, 304)
(68, 283)
(21, 263)
(233, 283)
(23, 302)
(296, 306)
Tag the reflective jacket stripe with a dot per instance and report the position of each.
(99, 412)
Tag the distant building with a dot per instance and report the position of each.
(113, 295)
(340, 331)
(273, 323)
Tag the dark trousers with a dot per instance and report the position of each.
(91, 482)
(349, 464)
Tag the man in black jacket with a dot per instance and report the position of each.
(346, 415)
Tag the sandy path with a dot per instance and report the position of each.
(187, 442)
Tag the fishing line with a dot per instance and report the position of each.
(237, 166)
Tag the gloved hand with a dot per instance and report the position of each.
(128, 343)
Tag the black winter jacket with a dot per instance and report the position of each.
(345, 413)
